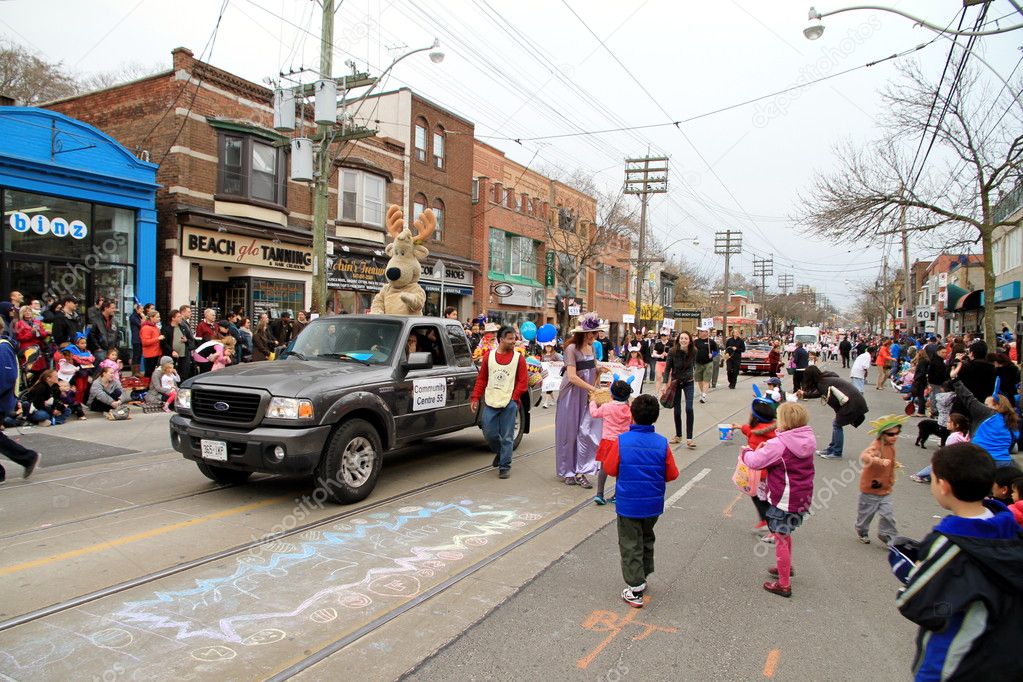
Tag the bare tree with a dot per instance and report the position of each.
(31, 79)
(877, 301)
(129, 71)
(876, 193)
(580, 244)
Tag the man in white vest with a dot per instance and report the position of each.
(501, 382)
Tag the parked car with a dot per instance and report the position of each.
(754, 360)
(347, 392)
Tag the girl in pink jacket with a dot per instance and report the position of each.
(788, 463)
(617, 418)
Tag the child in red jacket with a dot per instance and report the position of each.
(761, 428)
(1017, 507)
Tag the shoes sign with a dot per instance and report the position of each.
(42, 226)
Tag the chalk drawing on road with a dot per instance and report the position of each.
(299, 589)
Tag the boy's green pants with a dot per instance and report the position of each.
(636, 544)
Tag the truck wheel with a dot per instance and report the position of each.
(222, 475)
(351, 462)
(520, 427)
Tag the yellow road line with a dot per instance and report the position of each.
(136, 537)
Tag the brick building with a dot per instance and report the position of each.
(233, 229)
(436, 173)
(526, 269)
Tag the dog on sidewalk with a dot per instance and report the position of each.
(927, 428)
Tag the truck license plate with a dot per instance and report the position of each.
(751, 367)
(215, 450)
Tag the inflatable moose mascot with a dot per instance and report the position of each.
(402, 295)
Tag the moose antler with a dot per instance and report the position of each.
(426, 225)
(395, 220)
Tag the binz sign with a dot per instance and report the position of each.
(239, 250)
(42, 226)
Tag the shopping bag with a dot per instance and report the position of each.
(668, 394)
(746, 479)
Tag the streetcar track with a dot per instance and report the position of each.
(377, 623)
(239, 549)
(119, 510)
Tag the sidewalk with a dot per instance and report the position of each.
(94, 438)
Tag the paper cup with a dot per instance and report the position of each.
(725, 431)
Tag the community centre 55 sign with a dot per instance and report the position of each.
(42, 226)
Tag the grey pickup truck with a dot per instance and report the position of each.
(349, 389)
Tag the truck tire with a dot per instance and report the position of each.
(351, 462)
(222, 475)
(520, 428)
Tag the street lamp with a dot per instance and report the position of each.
(815, 29)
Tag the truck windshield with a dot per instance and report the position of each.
(806, 338)
(369, 341)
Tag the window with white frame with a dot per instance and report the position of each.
(362, 197)
(438, 212)
(420, 139)
(1012, 249)
(475, 190)
(418, 206)
(438, 147)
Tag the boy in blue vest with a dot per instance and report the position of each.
(643, 463)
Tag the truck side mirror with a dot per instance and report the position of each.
(419, 361)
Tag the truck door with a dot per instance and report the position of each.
(424, 394)
(463, 372)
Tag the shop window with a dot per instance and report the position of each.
(362, 197)
(421, 139)
(438, 147)
(460, 347)
(274, 296)
(438, 211)
(251, 169)
(114, 234)
(37, 241)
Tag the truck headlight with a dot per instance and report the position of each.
(183, 400)
(290, 408)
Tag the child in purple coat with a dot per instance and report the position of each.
(788, 460)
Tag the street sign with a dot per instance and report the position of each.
(668, 323)
(628, 319)
(549, 275)
(574, 310)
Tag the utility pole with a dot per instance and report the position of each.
(763, 268)
(785, 283)
(727, 243)
(323, 163)
(638, 180)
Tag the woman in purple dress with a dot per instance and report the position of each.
(577, 434)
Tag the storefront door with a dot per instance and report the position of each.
(212, 295)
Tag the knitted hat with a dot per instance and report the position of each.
(763, 411)
(621, 390)
(165, 360)
(889, 421)
(774, 381)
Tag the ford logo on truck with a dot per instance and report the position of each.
(221, 406)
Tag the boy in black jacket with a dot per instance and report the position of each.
(966, 592)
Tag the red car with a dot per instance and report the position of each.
(754, 360)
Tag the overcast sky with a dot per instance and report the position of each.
(533, 68)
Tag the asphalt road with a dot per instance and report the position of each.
(708, 618)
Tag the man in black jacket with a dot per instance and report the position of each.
(844, 348)
(801, 360)
(734, 348)
(103, 331)
(841, 396)
(937, 374)
(66, 322)
(977, 375)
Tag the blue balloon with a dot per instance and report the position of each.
(528, 331)
(546, 333)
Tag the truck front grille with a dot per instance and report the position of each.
(241, 408)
